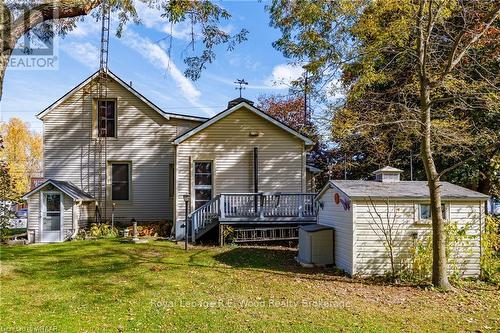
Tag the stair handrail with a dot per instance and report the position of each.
(203, 215)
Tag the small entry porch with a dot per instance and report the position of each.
(254, 211)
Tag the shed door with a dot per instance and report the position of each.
(51, 217)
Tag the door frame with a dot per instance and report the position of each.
(192, 189)
(43, 209)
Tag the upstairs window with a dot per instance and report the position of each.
(120, 181)
(106, 118)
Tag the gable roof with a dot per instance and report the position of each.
(230, 110)
(117, 79)
(364, 189)
(67, 187)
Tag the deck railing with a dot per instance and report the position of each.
(204, 216)
(254, 207)
(267, 205)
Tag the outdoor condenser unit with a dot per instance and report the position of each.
(315, 245)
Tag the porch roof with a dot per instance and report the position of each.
(68, 188)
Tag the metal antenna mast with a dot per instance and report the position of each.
(101, 139)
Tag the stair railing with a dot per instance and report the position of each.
(204, 215)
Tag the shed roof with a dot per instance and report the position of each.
(66, 187)
(362, 189)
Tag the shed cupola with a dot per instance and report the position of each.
(388, 174)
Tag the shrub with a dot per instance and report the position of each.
(101, 230)
(420, 265)
(490, 243)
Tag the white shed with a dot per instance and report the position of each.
(56, 211)
(357, 209)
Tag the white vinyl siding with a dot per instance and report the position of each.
(334, 215)
(144, 138)
(229, 145)
(370, 254)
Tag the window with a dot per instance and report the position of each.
(171, 180)
(106, 118)
(202, 183)
(425, 211)
(120, 181)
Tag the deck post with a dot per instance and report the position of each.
(221, 235)
(222, 207)
(301, 206)
(261, 203)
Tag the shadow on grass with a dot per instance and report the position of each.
(270, 259)
(102, 259)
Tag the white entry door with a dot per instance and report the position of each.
(51, 217)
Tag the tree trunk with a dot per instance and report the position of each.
(11, 29)
(439, 263)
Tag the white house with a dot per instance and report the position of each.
(122, 156)
(362, 212)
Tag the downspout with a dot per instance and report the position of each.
(75, 223)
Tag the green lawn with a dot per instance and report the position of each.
(110, 286)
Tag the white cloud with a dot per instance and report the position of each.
(152, 19)
(282, 76)
(159, 58)
(87, 27)
(86, 53)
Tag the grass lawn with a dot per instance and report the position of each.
(110, 286)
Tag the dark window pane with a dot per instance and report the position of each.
(120, 191)
(425, 212)
(120, 172)
(203, 167)
(53, 202)
(106, 118)
(205, 195)
(202, 197)
(120, 186)
(171, 182)
(203, 179)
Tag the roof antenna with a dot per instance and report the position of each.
(241, 82)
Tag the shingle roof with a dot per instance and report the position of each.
(402, 190)
(387, 169)
(67, 187)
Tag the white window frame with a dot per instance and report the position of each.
(115, 100)
(203, 187)
(43, 208)
(445, 209)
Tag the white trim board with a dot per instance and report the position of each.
(164, 114)
(227, 112)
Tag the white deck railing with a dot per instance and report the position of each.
(204, 215)
(254, 207)
(267, 205)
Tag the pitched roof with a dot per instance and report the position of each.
(230, 110)
(363, 189)
(67, 187)
(387, 169)
(117, 79)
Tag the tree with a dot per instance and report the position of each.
(422, 75)
(291, 111)
(5, 193)
(22, 155)
(42, 18)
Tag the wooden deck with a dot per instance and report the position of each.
(254, 209)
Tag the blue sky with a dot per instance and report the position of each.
(139, 56)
